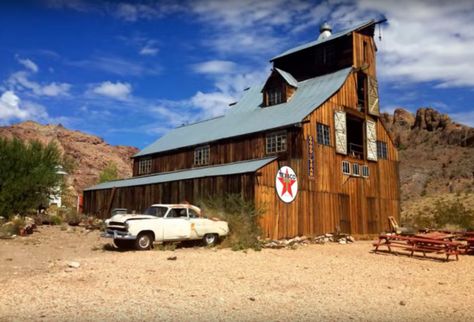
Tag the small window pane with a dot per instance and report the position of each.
(201, 155)
(274, 96)
(365, 171)
(275, 142)
(346, 167)
(382, 150)
(144, 166)
(355, 169)
(322, 134)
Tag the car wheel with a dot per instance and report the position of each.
(144, 241)
(122, 243)
(210, 239)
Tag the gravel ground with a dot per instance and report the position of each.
(317, 282)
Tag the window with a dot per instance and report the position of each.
(177, 213)
(382, 150)
(361, 91)
(192, 213)
(365, 171)
(274, 96)
(144, 166)
(355, 169)
(323, 134)
(201, 155)
(276, 142)
(346, 167)
(156, 211)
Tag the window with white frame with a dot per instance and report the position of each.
(144, 166)
(355, 169)
(275, 142)
(322, 132)
(382, 150)
(201, 155)
(365, 171)
(274, 96)
(346, 167)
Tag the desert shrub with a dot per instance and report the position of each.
(444, 214)
(27, 175)
(109, 173)
(242, 216)
(453, 213)
(12, 227)
(55, 220)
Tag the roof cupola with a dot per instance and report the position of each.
(325, 31)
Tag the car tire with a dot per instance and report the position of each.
(210, 239)
(122, 243)
(144, 241)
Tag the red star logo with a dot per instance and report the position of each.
(287, 182)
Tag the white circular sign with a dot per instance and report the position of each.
(286, 184)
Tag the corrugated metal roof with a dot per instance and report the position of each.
(247, 116)
(202, 172)
(288, 77)
(320, 41)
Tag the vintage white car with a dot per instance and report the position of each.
(161, 223)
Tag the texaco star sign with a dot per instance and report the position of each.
(286, 184)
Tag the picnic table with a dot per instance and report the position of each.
(431, 243)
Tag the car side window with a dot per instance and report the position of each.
(172, 214)
(192, 213)
(177, 213)
(182, 213)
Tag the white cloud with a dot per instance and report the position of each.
(426, 41)
(212, 104)
(117, 66)
(20, 80)
(28, 63)
(12, 108)
(118, 90)
(149, 49)
(214, 67)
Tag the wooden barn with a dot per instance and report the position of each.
(307, 145)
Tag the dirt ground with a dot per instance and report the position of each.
(317, 282)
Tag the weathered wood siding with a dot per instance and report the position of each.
(332, 200)
(139, 198)
(225, 151)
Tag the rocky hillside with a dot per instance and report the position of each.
(436, 154)
(90, 154)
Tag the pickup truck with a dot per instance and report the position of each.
(162, 223)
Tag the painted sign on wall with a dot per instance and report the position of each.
(286, 184)
(310, 157)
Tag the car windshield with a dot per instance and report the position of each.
(156, 211)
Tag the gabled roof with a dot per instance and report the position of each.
(287, 77)
(247, 116)
(201, 172)
(320, 41)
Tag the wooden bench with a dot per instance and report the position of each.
(418, 244)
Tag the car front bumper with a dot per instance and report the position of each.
(117, 235)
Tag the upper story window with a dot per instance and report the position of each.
(382, 152)
(275, 142)
(361, 91)
(365, 171)
(356, 169)
(323, 134)
(346, 167)
(201, 155)
(274, 96)
(144, 166)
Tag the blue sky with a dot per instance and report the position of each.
(130, 71)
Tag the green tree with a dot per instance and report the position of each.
(27, 175)
(109, 173)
